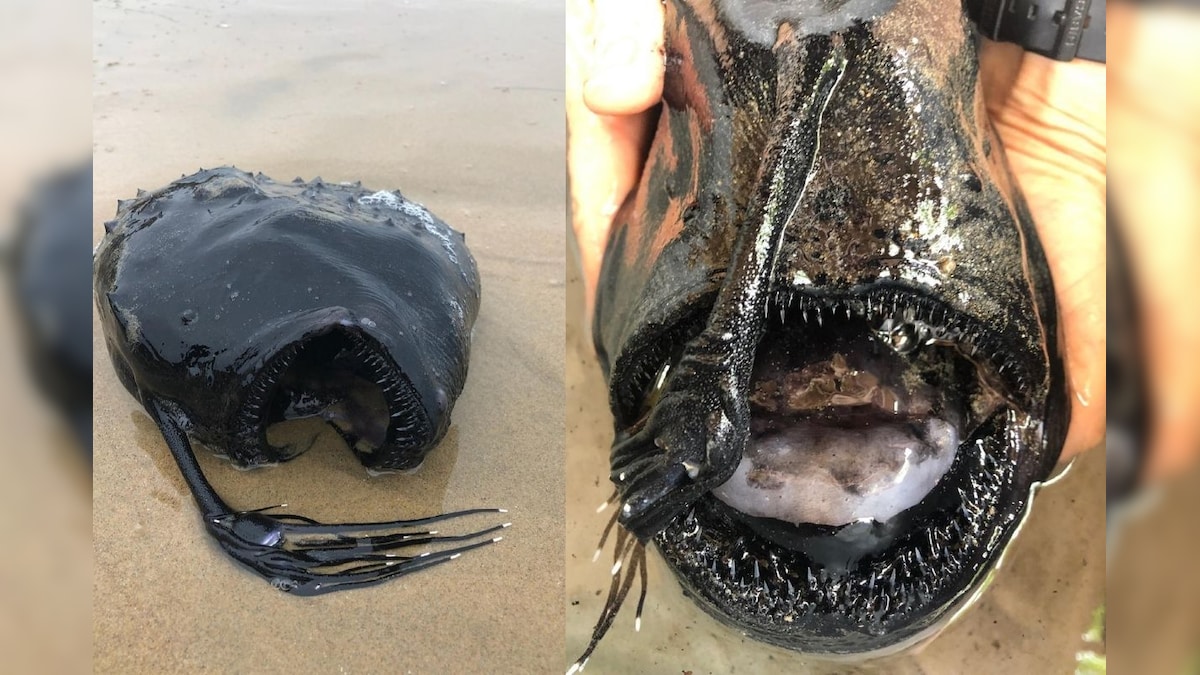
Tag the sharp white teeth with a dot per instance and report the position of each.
(820, 321)
(693, 470)
(662, 377)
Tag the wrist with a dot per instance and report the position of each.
(1063, 30)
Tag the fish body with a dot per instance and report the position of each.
(233, 306)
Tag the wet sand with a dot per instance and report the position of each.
(459, 106)
(1029, 621)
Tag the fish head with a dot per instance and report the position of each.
(827, 324)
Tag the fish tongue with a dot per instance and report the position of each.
(826, 475)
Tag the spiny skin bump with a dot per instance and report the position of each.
(208, 287)
(824, 178)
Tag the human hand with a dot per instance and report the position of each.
(614, 77)
(1050, 116)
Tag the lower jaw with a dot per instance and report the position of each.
(856, 647)
(815, 623)
(396, 460)
(816, 636)
(291, 438)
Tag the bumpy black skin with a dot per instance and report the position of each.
(50, 277)
(848, 165)
(202, 284)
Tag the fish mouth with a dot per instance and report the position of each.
(341, 375)
(889, 456)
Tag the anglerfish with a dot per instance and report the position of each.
(827, 325)
(232, 304)
(46, 267)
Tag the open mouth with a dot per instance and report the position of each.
(879, 481)
(342, 376)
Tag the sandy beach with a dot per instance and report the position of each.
(459, 106)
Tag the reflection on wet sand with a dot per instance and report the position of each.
(328, 467)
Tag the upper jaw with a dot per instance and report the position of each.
(919, 317)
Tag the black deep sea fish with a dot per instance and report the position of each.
(232, 304)
(46, 265)
(827, 325)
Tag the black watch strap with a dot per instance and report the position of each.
(1060, 29)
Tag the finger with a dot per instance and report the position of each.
(604, 157)
(626, 70)
(604, 151)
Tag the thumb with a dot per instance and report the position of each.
(626, 70)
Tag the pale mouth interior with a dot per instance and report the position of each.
(845, 428)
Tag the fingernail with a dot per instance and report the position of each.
(618, 53)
